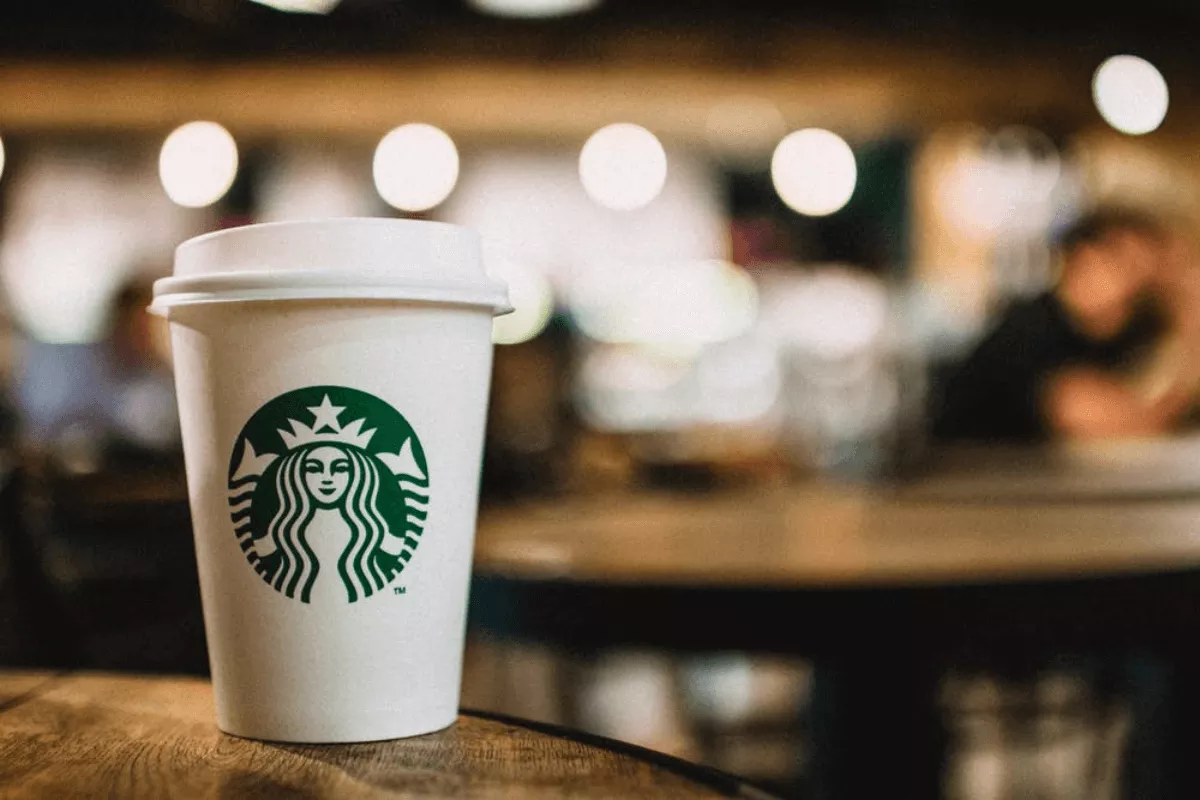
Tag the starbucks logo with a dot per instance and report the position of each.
(329, 492)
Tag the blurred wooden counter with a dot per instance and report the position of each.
(828, 537)
(97, 735)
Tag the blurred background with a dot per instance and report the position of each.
(752, 246)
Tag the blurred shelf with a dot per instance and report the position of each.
(897, 88)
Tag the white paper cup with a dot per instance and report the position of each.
(332, 380)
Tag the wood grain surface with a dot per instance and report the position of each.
(15, 688)
(133, 737)
(825, 536)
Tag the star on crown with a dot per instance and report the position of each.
(325, 428)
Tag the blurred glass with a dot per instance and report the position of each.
(1053, 737)
(843, 367)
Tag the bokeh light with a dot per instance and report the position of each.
(623, 166)
(1131, 94)
(814, 171)
(679, 307)
(531, 297)
(416, 167)
(533, 9)
(60, 276)
(77, 225)
(197, 164)
(300, 6)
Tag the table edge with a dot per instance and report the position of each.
(726, 783)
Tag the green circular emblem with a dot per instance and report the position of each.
(329, 492)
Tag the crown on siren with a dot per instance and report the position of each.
(325, 428)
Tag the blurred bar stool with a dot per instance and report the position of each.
(107, 570)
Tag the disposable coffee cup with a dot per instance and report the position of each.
(333, 380)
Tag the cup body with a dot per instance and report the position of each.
(333, 451)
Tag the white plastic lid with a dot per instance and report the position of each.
(351, 258)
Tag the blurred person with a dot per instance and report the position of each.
(1110, 351)
(114, 398)
(143, 410)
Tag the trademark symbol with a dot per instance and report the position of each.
(399, 590)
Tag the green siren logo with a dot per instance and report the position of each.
(329, 492)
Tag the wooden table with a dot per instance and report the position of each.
(880, 587)
(835, 537)
(70, 735)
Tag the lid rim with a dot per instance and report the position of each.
(313, 278)
(163, 309)
(229, 287)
